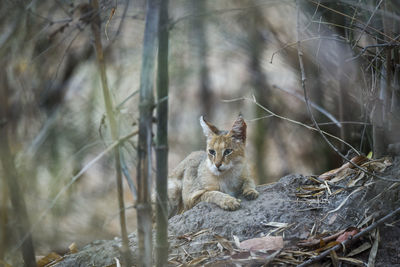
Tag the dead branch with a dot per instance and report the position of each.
(273, 114)
(387, 45)
(368, 22)
(303, 85)
(350, 17)
(315, 106)
(351, 240)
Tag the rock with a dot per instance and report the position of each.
(194, 232)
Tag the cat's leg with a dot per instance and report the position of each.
(249, 188)
(223, 200)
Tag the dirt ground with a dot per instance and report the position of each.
(296, 208)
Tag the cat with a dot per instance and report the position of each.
(218, 175)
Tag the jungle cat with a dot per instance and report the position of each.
(218, 175)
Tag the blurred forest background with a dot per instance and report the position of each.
(53, 118)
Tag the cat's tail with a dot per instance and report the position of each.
(175, 202)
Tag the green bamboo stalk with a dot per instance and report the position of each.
(144, 166)
(96, 28)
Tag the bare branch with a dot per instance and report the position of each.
(317, 107)
(387, 45)
(303, 84)
(367, 24)
(290, 120)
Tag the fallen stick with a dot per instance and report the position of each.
(350, 240)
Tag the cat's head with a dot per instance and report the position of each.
(224, 148)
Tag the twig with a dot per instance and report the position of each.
(259, 118)
(214, 12)
(378, 54)
(305, 40)
(317, 107)
(350, 17)
(290, 120)
(316, 241)
(346, 122)
(109, 20)
(303, 84)
(387, 45)
(350, 240)
(367, 24)
(347, 198)
(73, 180)
(121, 23)
(120, 105)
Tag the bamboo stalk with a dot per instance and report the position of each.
(96, 28)
(11, 178)
(144, 166)
(162, 139)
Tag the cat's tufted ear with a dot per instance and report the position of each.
(208, 129)
(238, 131)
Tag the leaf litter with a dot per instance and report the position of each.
(331, 194)
(271, 249)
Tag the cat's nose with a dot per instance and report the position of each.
(218, 165)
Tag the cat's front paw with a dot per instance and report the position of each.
(230, 203)
(250, 194)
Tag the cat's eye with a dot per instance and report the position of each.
(211, 151)
(227, 152)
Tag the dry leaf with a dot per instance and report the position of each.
(263, 243)
(226, 244)
(276, 224)
(374, 249)
(73, 248)
(346, 235)
(117, 263)
(50, 258)
(334, 258)
(333, 218)
(236, 240)
(327, 246)
(198, 260)
(360, 249)
(352, 261)
(189, 236)
(354, 181)
(313, 241)
(358, 160)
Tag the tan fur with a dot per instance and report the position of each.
(218, 178)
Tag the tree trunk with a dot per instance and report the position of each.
(253, 27)
(162, 139)
(11, 177)
(199, 39)
(144, 167)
